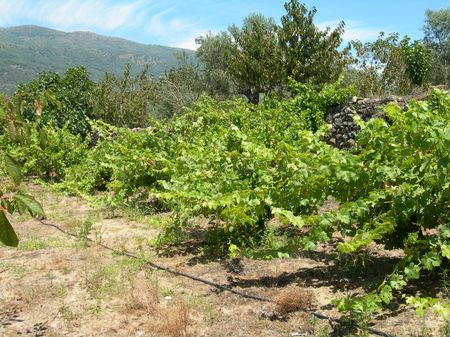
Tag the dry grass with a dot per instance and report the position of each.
(173, 321)
(168, 318)
(294, 299)
(144, 294)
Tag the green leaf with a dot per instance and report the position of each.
(43, 139)
(288, 217)
(29, 203)
(13, 169)
(7, 234)
(445, 249)
(282, 255)
(431, 260)
(397, 282)
(412, 271)
(386, 294)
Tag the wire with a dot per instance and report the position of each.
(198, 279)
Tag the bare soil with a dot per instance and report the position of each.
(57, 285)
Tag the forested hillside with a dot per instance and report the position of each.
(28, 50)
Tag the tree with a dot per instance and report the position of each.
(310, 55)
(179, 88)
(260, 56)
(66, 99)
(437, 38)
(256, 59)
(418, 61)
(124, 101)
(213, 53)
(388, 65)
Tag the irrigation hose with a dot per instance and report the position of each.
(201, 280)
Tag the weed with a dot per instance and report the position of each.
(42, 243)
(111, 278)
(166, 291)
(320, 330)
(34, 244)
(159, 221)
(445, 330)
(85, 229)
(445, 283)
(18, 271)
(64, 310)
(355, 262)
(96, 309)
(66, 271)
(51, 277)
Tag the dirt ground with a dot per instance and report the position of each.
(57, 285)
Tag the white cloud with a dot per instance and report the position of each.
(92, 14)
(9, 10)
(176, 32)
(353, 30)
(162, 26)
(156, 19)
(74, 14)
(188, 43)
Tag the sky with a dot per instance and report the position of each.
(177, 23)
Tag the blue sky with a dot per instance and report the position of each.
(177, 23)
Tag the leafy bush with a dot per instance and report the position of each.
(123, 101)
(62, 149)
(60, 101)
(418, 62)
(398, 195)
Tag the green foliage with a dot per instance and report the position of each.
(400, 197)
(380, 67)
(11, 199)
(59, 101)
(123, 101)
(241, 165)
(255, 59)
(310, 55)
(258, 57)
(62, 150)
(213, 53)
(179, 88)
(437, 32)
(418, 62)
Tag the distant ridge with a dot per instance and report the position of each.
(27, 50)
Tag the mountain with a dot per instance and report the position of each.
(27, 50)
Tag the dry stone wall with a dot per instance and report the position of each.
(343, 128)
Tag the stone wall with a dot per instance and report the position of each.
(343, 129)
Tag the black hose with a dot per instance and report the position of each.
(198, 279)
